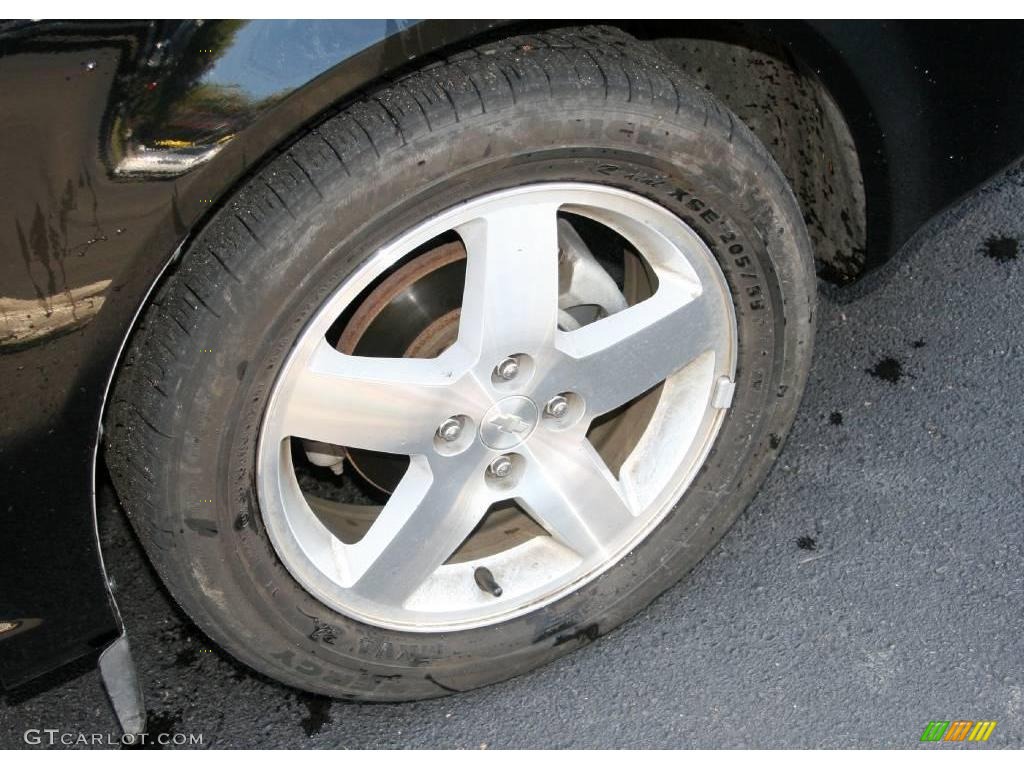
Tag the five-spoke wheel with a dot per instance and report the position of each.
(506, 412)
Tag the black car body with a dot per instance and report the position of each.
(118, 140)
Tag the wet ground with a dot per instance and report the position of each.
(875, 584)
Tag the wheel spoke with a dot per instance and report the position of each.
(620, 357)
(510, 303)
(380, 404)
(427, 517)
(570, 491)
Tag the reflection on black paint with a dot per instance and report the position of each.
(197, 84)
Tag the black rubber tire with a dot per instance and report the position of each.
(588, 104)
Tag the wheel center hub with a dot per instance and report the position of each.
(509, 422)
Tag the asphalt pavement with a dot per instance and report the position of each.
(875, 584)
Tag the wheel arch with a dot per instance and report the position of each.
(845, 246)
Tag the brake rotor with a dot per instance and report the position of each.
(412, 313)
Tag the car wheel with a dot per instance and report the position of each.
(470, 373)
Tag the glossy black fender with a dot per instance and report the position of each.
(117, 139)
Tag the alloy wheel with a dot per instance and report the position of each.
(511, 411)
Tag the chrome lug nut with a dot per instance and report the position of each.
(450, 429)
(557, 407)
(507, 369)
(501, 466)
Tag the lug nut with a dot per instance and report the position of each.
(557, 407)
(450, 429)
(507, 369)
(501, 466)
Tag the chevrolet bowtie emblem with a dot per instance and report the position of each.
(510, 424)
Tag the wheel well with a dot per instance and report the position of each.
(753, 70)
(795, 117)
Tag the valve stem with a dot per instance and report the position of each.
(485, 580)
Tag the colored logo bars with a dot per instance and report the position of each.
(958, 730)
